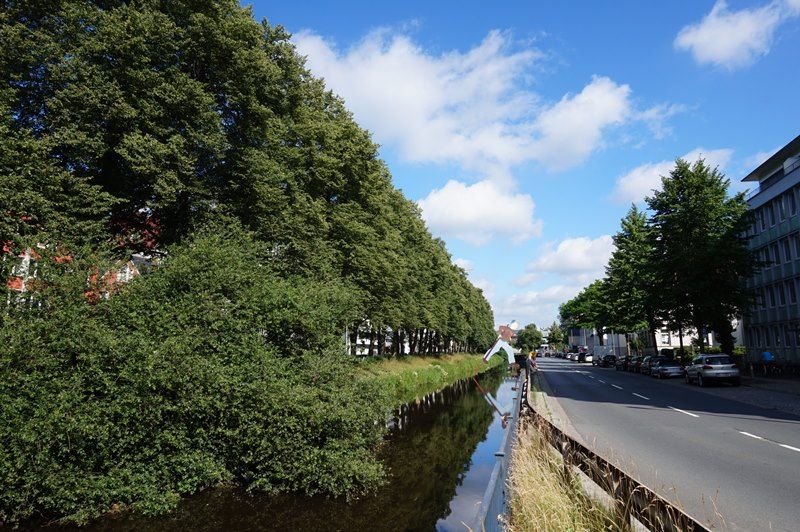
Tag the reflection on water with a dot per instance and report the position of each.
(439, 455)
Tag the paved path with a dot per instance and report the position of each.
(734, 465)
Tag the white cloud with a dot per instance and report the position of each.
(735, 39)
(656, 118)
(642, 180)
(465, 264)
(486, 285)
(473, 108)
(537, 306)
(755, 160)
(475, 213)
(572, 129)
(581, 260)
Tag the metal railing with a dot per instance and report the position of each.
(493, 508)
(631, 497)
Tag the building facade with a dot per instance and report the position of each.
(773, 324)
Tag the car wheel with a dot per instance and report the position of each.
(700, 382)
(688, 380)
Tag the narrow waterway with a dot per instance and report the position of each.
(439, 455)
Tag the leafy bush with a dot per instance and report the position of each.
(185, 379)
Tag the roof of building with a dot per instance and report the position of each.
(773, 163)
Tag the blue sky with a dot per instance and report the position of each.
(526, 129)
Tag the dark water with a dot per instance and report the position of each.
(439, 455)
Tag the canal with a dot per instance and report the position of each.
(439, 455)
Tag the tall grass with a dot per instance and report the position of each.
(411, 377)
(543, 498)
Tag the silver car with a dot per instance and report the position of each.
(707, 368)
(664, 369)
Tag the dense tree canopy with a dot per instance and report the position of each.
(188, 132)
(684, 267)
(529, 338)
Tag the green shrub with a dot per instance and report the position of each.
(185, 379)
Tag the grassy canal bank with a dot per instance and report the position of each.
(409, 378)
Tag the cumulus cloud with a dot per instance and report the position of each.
(537, 306)
(475, 213)
(473, 108)
(580, 260)
(572, 128)
(735, 39)
(640, 182)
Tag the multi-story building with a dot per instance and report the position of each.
(773, 323)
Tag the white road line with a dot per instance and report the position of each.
(590, 376)
(684, 412)
(642, 396)
(617, 387)
(751, 435)
(601, 380)
(789, 447)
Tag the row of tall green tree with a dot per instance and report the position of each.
(189, 132)
(681, 264)
(531, 338)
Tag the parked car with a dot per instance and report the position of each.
(589, 358)
(705, 369)
(648, 362)
(622, 363)
(634, 364)
(580, 357)
(607, 361)
(664, 369)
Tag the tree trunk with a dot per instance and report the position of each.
(371, 350)
(680, 339)
(381, 341)
(354, 339)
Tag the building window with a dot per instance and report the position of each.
(776, 334)
(771, 214)
(771, 294)
(792, 291)
(787, 335)
(781, 208)
(787, 250)
(790, 199)
(776, 254)
(665, 340)
(782, 294)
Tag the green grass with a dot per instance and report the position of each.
(411, 377)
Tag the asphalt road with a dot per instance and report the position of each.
(733, 465)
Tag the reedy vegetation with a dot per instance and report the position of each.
(189, 130)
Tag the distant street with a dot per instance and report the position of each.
(730, 464)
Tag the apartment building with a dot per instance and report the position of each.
(773, 323)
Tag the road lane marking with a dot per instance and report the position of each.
(617, 387)
(642, 396)
(601, 380)
(683, 412)
(789, 447)
(590, 376)
(751, 435)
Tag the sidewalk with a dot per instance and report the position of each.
(785, 385)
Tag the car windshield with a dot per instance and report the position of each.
(718, 361)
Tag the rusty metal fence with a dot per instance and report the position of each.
(631, 497)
